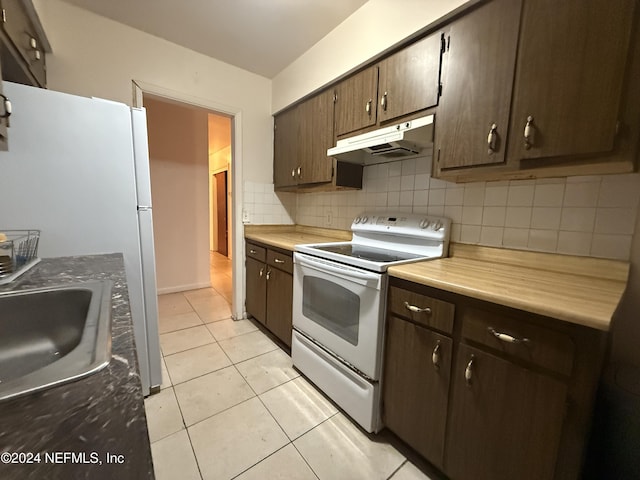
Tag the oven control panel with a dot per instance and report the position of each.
(416, 225)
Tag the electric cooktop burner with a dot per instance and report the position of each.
(383, 240)
(365, 252)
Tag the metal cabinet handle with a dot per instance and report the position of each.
(435, 356)
(261, 272)
(529, 131)
(492, 139)
(468, 372)
(293, 173)
(367, 107)
(507, 338)
(37, 55)
(414, 309)
(299, 171)
(7, 106)
(33, 43)
(252, 251)
(383, 101)
(277, 260)
(268, 274)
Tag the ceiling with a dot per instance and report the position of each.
(261, 36)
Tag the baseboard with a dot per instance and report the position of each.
(182, 288)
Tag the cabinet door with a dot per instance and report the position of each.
(357, 101)
(416, 386)
(505, 420)
(285, 148)
(569, 77)
(410, 79)
(316, 136)
(256, 286)
(4, 139)
(477, 79)
(279, 304)
(20, 31)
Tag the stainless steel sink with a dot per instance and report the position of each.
(50, 336)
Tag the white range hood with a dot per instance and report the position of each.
(396, 142)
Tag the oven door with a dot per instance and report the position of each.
(341, 308)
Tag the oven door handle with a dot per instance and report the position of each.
(346, 273)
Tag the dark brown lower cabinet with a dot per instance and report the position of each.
(279, 302)
(256, 288)
(506, 421)
(269, 288)
(511, 396)
(416, 386)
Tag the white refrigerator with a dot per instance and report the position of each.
(78, 170)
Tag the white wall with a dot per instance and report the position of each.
(374, 27)
(95, 56)
(180, 192)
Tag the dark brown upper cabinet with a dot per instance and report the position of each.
(4, 139)
(357, 102)
(285, 148)
(22, 44)
(569, 78)
(302, 135)
(316, 136)
(410, 79)
(478, 67)
(538, 88)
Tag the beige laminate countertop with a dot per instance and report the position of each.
(580, 290)
(287, 236)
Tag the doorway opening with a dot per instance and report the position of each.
(191, 162)
(220, 201)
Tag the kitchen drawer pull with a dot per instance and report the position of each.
(468, 372)
(507, 338)
(529, 130)
(252, 251)
(414, 309)
(367, 107)
(383, 102)
(492, 139)
(277, 260)
(435, 356)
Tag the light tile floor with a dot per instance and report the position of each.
(232, 406)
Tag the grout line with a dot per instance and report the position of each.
(185, 328)
(397, 469)
(260, 461)
(218, 413)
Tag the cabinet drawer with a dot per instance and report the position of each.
(535, 344)
(281, 261)
(421, 309)
(254, 251)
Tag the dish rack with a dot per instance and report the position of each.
(18, 253)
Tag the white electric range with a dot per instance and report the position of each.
(339, 304)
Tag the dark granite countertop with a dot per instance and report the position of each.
(91, 417)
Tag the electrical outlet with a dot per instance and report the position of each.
(245, 217)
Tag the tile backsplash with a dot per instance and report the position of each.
(261, 205)
(588, 215)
